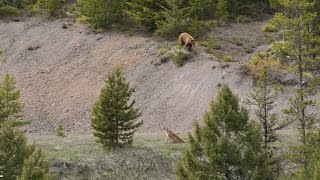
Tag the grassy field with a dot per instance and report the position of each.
(80, 157)
(150, 157)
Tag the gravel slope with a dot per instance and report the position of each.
(62, 79)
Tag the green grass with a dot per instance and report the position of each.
(80, 157)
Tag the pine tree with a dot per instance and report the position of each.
(263, 98)
(60, 131)
(299, 47)
(13, 151)
(228, 146)
(102, 13)
(146, 13)
(35, 167)
(222, 10)
(202, 9)
(10, 106)
(174, 20)
(113, 116)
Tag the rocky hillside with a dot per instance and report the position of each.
(60, 72)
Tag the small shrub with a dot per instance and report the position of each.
(9, 11)
(269, 28)
(33, 47)
(212, 42)
(214, 52)
(228, 58)
(242, 19)
(1, 51)
(180, 57)
(34, 9)
(60, 131)
(263, 59)
(54, 7)
(163, 50)
(237, 41)
(248, 49)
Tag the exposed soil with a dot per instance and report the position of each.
(61, 78)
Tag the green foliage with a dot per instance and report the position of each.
(269, 27)
(35, 167)
(10, 106)
(242, 19)
(212, 42)
(54, 7)
(298, 49)
(113, 116)
(222, 13)
(237, 40)
(145, 13)
(201, 9)
(9, 11)
(174, 20)
(102, 13)
(228, 146)
(60, 131)
(228, 58)
(180, 57)
(13, 151)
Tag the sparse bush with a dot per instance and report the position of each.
(1, 51)
(237, 41)
(212, 42)
(242, 19)
(228, 58)
(163, 50)
(9, 11)
(180, 56)
(60, 131)
(269, 28)
(263, 59)
(248, 49)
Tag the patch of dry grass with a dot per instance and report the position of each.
(80, 157)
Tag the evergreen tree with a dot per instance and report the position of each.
(113, 116)
(202, 9)
(298, 49)
(60, 131)
(146, 13)
(35, 167)
(10, 106)
(13, 151)
(102, 13)
(174, 20)
(263, 98)
(228, 146)
(222, 10)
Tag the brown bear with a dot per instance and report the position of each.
(187, 40)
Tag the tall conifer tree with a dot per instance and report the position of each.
(300, 48)
(10, 106)
(228, 146)
(113, 115)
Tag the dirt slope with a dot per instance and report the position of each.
(62, 79)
